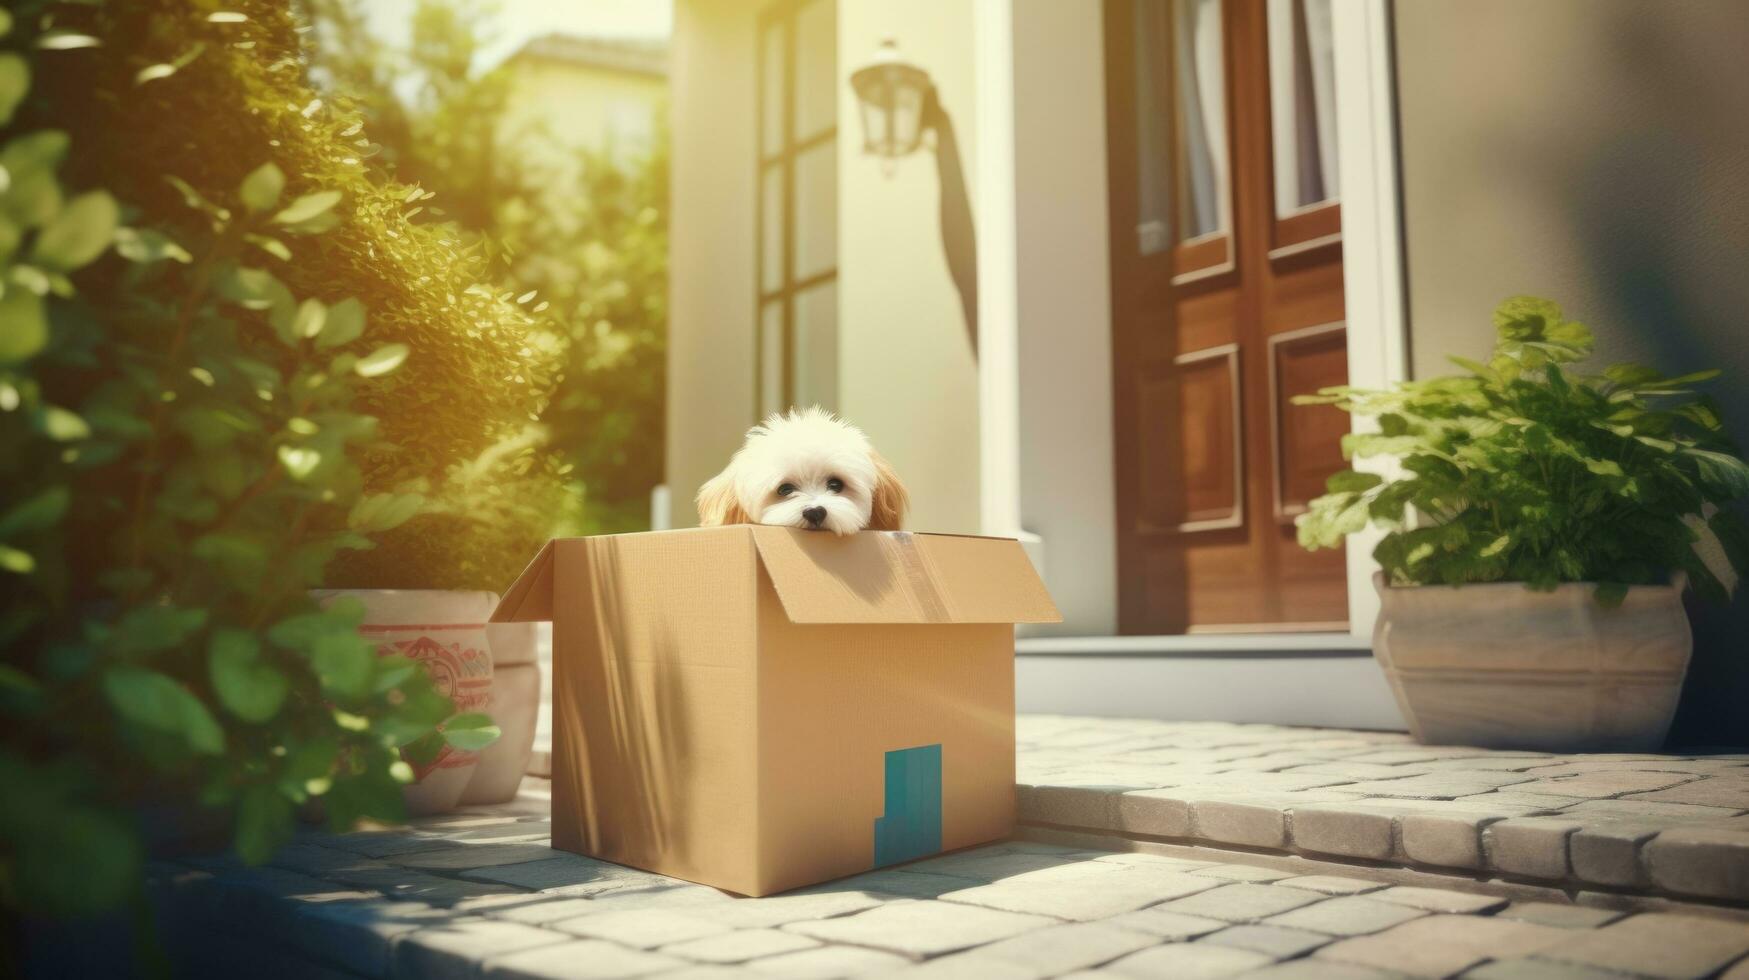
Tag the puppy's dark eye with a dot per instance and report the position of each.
(835, 485)
(786, 489)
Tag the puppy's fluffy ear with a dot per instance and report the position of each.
(717, 503)
(890, 499)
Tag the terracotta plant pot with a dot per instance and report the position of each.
(1500, 666)
(515, 705)
(446, 632)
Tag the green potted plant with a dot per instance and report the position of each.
(1541, 525)
(458, 465)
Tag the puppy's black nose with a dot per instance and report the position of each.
(814, 515)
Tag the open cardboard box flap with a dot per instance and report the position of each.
(871, 577)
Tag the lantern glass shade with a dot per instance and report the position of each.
(891, 93)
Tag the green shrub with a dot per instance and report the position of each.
(1525, 470)
(180, 437)
(458, 425)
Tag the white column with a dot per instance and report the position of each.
(998, 272)
(1372, 249)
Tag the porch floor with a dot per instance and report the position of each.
(1148, 849)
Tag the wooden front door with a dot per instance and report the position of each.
(1227, 301)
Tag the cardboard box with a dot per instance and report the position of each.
(761, 708)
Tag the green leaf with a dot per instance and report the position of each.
(1603, 467)
(16, 561)
(272, 246)
(24, 325)
(79, 233)
(66, 41)
(308, 207)
(381, 361)
(145, 245)
(345, 324)
(247, 686)
(299, 461)
(1525, 317)
(312, 313)
(343, 663)
(155, 701)
(14, 84)
(1351, 481)
(1722, 470)
(264, 822)
(38, 513)
(1496, 546)
(72, 860)
(384, 511)
(260, 190)
(150, 629)
(470, 732)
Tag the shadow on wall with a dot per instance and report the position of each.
(1660, 208)
(958, 238)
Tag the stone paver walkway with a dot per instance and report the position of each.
(1629, 825)
(1256, 880)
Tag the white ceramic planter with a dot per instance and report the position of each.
(515, 706)
(1500, 666)
(446, 632)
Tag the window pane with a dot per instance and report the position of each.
(816, 241)
(1302, 104)
(816, 85)
(771, 69)
(816, 353)
(771, 228)
(1181, 122)
(1202, 118)
(771, 358)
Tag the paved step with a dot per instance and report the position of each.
(1674, 826)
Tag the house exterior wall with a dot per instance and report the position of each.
(907, 372)
(1064, 309)
(1595, 153)
(710, 258)
(579, 107)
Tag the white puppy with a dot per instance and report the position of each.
(808, 469)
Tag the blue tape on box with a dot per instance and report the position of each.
(911, 827)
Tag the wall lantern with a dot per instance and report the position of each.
(892, 94)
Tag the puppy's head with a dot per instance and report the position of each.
(806, 469)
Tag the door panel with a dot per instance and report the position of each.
(1227, 302)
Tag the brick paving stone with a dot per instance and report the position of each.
(671, 895)
(1347, 916)
(356, 935)
(1738, 972)
(1170, 926)
(1447, 840)
(579, 959)
(1598, 785)
(1651, 810)
(1535, 801)
(1153, 860)
(574, 874)
(921, 928)
(1361, 771)
(1607, 851)
(467, 857)
(1333, 884)
(1531, 968)
(904, 884)
(1708, 861)
(830, 963)
(1656, 945)
(1188, 961)
(642, 928)
(1319, 970)
(1247, 821)
(970, 965)
(1722, 791)
(1535, 847)
(1084, 897)
(1437, 785)
(1159, 813)
(1242, 872)
(1278, 942)
(1078, 945)
(1554, 914)
(1073, 806)
(987, 864)
(381, 844)
(1241, 902)
(1439, 899)
(538, 911)
(1441, 945)
(1363, 829)
(455, 948)
(740, 946)
(709, 971)
(777, 910)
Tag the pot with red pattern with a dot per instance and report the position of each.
(445, 632)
